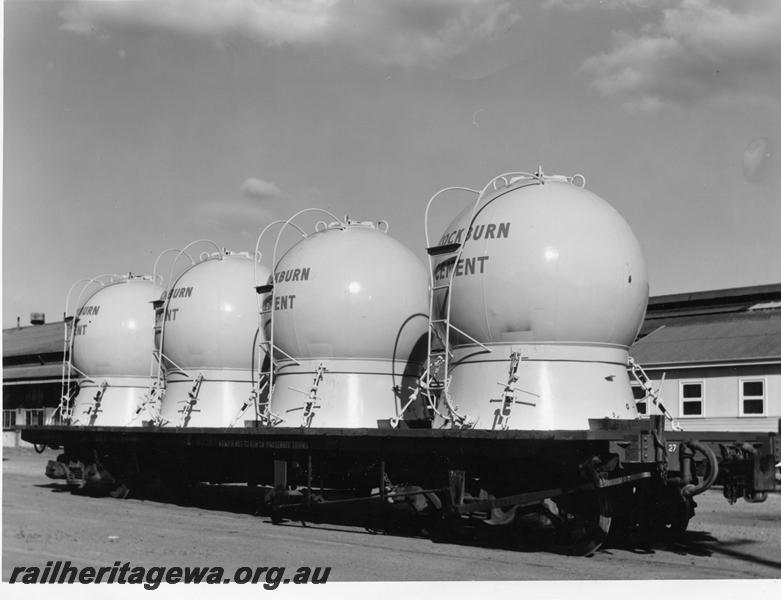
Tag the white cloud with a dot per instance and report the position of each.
(254, 210)
(274, 21)
(398, 32)
(697, 50)
(260, 190)
(582, 5)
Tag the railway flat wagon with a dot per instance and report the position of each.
(568, 488)
(489, 399)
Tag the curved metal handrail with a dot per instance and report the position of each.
(69, 330)
(274, 263)
(454, 415)
(160, 378)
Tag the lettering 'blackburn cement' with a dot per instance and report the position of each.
(489, 232)
(284, 302)
(182, 292)
(300, 274)
(464, 266)
(287, 301)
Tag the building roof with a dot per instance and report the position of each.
(30, 373)
(33, 340)
(750, 294)
(716, 338)
(663, 310)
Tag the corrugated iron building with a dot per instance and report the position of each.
(720, 353)
(32, 371)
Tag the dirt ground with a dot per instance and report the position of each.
(42, 522)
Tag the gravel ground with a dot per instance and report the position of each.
(43, 522)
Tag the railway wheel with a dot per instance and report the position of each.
(120, 491)
(276, 515)
(582, 522)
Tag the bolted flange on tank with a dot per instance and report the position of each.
(208, 340)
(549, 284)
(349, 309)
(112, 343)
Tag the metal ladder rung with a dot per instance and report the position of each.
(441, 277)
(443, 249)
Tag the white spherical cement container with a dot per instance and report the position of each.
(113, 344)
(350, 307)
(552, 280)
(210, 342)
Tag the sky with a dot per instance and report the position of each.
(132, 127)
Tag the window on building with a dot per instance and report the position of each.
(33, 416)
(692, 398)
(639, 395)
(9, 419)
(752, 397)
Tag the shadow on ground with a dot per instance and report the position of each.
(373, 518)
